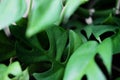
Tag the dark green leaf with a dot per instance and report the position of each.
(55, 73)
(6, 47)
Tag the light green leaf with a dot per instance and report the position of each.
(3, 68)
(15, 70)
(23, 76)
(11, 11)
(43, 14)
(105, 51)
(70, 7)
(82, 62)
(93, 69)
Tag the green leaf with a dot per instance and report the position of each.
(33, 47)
(6, 47)
(15, 70)
(54, 73)
(11, 11)
(82, 62)
(3, 68)
(105, 51)
(97, 30)
(115, 41)
(43, 14)
(60, 37)
(70, 7)
(23, 76)
(75, 41)
(117, 79)
(93, 69)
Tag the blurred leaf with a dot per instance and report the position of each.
(23, 76)
(6, 47)
(82, 62)
(106, 53)
(70, 7)
(117, 79)
(3, 68)
(42, 16)
(15, 71)
(11, 11)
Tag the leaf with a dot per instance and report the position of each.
(97, 30)
(30, 56)
(54, 73)
(42, 16)
(105, 51)
(6, 47)
(70, 7)
(117, 78)
(32, 47)
(15, 70)
(23, 76)
(82, 62)
(60, 37)
(74, 40)
(115, 42)
(93, 69)
(3, 68)
(14, 10)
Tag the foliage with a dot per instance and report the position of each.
(54, 42)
